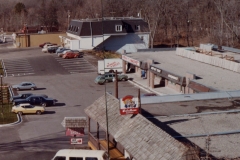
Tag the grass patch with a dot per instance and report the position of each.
(103, 54)
(6, 116)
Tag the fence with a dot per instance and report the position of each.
(215, 61)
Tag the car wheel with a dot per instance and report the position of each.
(18, 89)
(38, 112)
(32, 88)
(44, 104)
(19, 113)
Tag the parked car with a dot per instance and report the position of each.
(25, 86)
(52, 49)
(60, 54)
(41, 45)
(27, 108)
(72, 51)
(24, 96)
(36, 100)
(108, 77)
(45, 48)
(70, 54)
(60, 50)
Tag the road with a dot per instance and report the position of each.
(41, 136)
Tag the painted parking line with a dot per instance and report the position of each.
(17, 67)
(75, 65)
(19, 74)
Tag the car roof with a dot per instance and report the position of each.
(78, 152)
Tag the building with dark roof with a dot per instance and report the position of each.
(118, 34)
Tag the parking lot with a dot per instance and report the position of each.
(45, 63)
(74, 91)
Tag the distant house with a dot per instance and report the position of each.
(118, 34)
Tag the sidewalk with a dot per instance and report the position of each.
(143, 84)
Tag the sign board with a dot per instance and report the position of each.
(74, 122)
(129, 105)
(75, 132)
(130, 60)
(155, 69)
(112, 63)
(173, 77)
(76, 140)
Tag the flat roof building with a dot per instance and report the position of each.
(185, 74)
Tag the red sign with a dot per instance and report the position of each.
(130, 60)
(75, 132)
(76, 140)
(129, 111)
(129, 105)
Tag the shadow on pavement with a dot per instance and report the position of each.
(49, 112)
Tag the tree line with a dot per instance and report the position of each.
(179, 22)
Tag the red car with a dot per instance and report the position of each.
(41, 45)
(69, 55)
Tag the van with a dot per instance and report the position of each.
(80, 154)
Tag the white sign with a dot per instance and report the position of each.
(156, 69)
(112, 63)
(76, 140)
(130, 60)
(173, 77)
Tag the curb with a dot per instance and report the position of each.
(14, 123)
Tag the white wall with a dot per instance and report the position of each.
(75, 44)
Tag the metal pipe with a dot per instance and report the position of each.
(196, 114)
(210, 134)
(116, 84)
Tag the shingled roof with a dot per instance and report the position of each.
(141, 138)
(94, 27)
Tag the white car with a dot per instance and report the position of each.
(25, 86)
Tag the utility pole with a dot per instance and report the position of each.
(116, 84)
(68, 16)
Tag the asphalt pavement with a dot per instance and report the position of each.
(41, 136)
